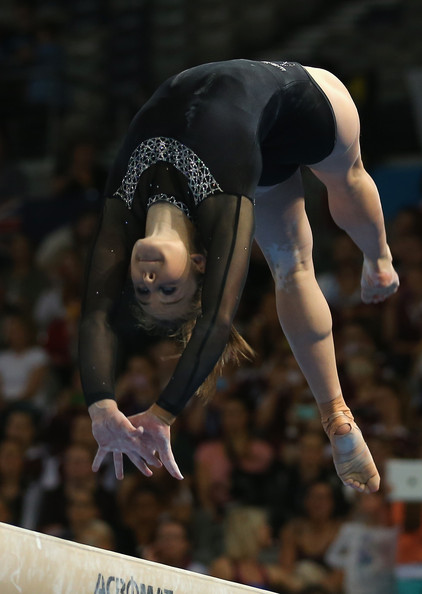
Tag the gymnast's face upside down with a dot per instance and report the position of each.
(164, 277)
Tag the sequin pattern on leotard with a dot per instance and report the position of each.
(201, 181)
(171, 200)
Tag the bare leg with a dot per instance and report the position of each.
(352, 194)
(303, 312)
(284, 235)
(355, 207)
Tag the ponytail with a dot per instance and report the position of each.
(236, 351)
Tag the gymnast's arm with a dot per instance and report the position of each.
(226, 225)
(107, 272)
(106, 276)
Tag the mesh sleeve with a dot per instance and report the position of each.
(106, 275)
(226, 225)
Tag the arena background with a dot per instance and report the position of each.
(72, 75)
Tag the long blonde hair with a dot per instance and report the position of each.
(235, 351)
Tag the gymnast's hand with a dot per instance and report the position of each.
(155, 442)
(115, 433)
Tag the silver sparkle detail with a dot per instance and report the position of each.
(280, 66)
(200, 180)
(172, 200)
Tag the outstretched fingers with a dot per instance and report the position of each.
(118, 465)
(99, 459)
(143, 438)
(140, 464)
(167, 458)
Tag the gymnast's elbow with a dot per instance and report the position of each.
(94, 321)
(218, 326)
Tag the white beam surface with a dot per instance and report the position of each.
(35, 563)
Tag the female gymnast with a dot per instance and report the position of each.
(210, 162)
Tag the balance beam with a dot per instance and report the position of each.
(35, 563)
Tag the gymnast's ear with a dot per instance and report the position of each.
(199, 262)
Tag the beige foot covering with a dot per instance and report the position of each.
(352, 458)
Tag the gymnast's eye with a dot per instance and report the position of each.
(167, 290)
(142, 291)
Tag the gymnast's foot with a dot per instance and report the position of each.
(352, 458)
(378, 281)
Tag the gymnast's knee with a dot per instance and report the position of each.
(355, 173)
(295, 277)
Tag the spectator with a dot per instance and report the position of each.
(365, 548)
(76, 477)
(264, 331)
(354, 337)
(305, 539)
(23, 365)
(21, 424)
(5, 310)
(57, 313)
(140, 508)
(405, 233)
(137, 387)
(407, 221)
(98, 533)
(402, 324)
(302, 415)
(237, 452)
(245, 559)
(67, 428)
(79, 176)
(46, 93)
(172, 546)
(279, 400)
(13, 189)
(12, 478)
(65, 292)
(390, 402)
(208, 526)
(361, 370)
(76, 235)
(69, 398)
(81, 508)
(293, 479)
(24, 281)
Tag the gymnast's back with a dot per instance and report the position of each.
(251, 122)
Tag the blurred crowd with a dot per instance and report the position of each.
(261, 503)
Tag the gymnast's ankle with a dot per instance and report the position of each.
(343, 429)
(336, 416)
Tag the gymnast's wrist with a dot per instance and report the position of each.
(101, 407)
(161, 413)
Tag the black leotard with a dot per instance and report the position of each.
(204, 141)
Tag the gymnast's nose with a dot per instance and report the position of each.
(149, 276)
